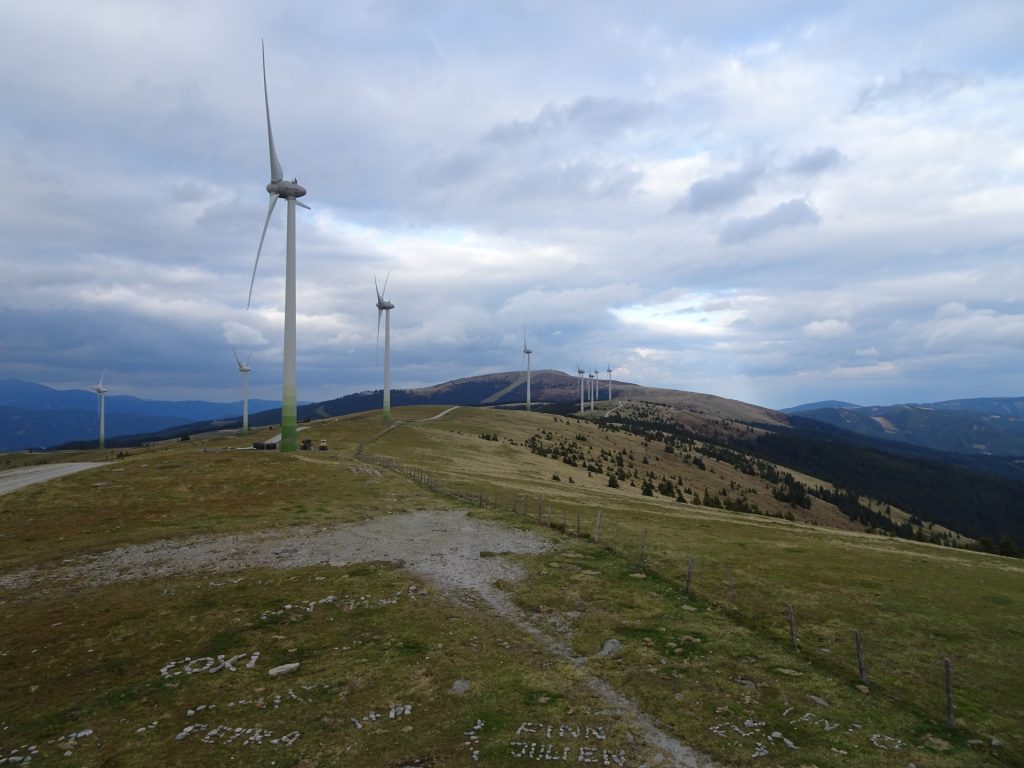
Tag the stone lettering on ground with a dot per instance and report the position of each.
(570, 743)
(190, 666)
(224, 734)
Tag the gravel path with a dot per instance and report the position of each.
(13, 479)
(443, 546)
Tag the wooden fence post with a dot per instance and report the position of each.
(862, 669)
(950, 709)
(791, 613)
(597, 528)
(577, 522)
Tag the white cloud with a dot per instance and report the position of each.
(828, 329)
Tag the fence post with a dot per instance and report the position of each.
(950, 714)
(597, 528)
(577, 522)
(862, 669)
(791, 613)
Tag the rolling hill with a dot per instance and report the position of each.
(979, 427)
(36, 416)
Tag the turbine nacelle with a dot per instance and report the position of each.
(289, 190)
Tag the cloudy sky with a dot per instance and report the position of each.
(761, 200)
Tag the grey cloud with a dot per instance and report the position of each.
(592, 115)
(920, 85)
(711, 193)
(815, 162)
(794, 213)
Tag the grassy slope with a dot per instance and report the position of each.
(702, 669)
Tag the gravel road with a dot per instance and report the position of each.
(13, 479)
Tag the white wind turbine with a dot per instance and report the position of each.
(243, 368)
(590, 385)
(290, 191)
(384, 307)
(579, 374)
(527, 352)
(609, 380)
(100, 390)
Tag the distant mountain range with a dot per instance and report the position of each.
(36, 416)
(972, 492)
(989, 426)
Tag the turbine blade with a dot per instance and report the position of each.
(384, 290)
(379, 301)
(237, 360)
(270, 210)
(303, 205)
(275, 165)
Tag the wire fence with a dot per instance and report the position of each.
(953, 690)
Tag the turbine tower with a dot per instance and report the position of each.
(609, 381)
(100, 390)
(384, 307)
(590, 385)
(527, 352)
(243, 368)
(290, 191)
(579, 374)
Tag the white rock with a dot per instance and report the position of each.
(284, 669)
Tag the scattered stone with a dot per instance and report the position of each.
(862, 688)
(745, 682)
(611, 647)
(459, 687)
(939, 745)
(818, 700)
(284, 669)
(995, 743)
(638, 575)
(789, 672)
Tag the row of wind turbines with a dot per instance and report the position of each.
(291, 191)
(591, 390)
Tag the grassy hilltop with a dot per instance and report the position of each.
(397, 668)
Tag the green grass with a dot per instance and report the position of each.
(90, 658)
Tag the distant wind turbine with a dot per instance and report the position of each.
(100, 390)
(590, 375)
(579, 374)
(290, 191)
(609, 381)
(527, 352)
(384, 307)
(243, 368)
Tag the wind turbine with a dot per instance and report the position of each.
(290, 191)
(243, 368)
(527, 352)
(384, 307)
(579, 374)
(590, 375)
(100, 390)
(609, 381)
